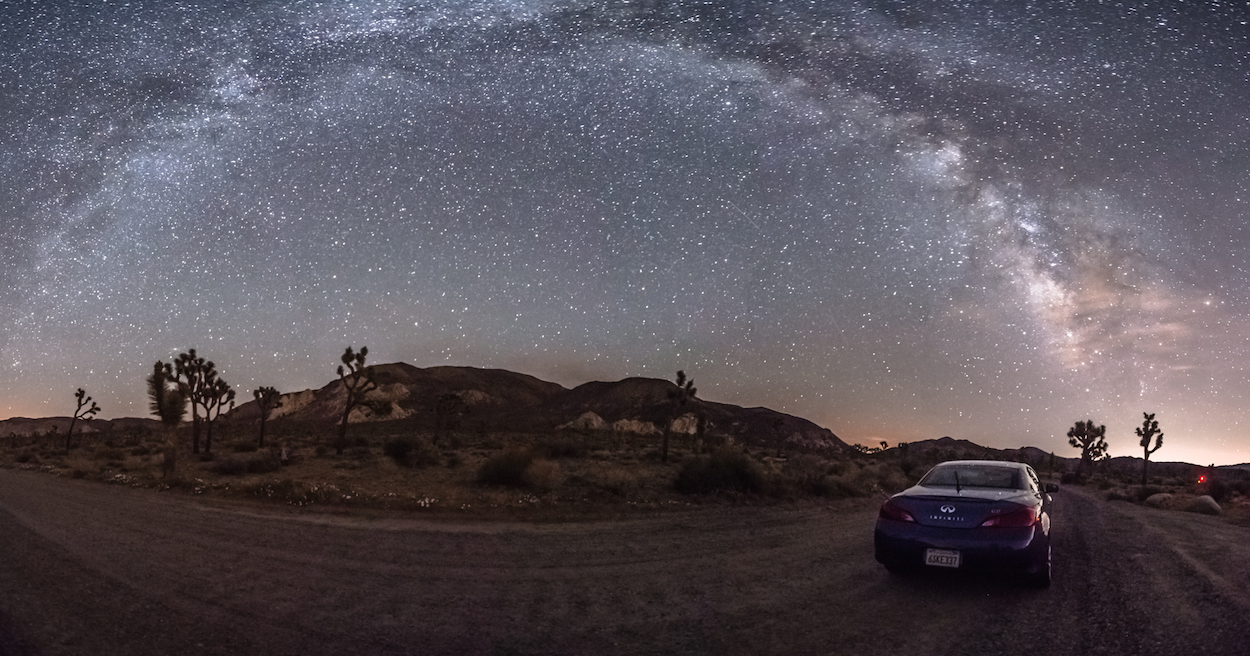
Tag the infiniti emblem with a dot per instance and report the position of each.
(948, 509)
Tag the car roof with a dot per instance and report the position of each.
(984, 463)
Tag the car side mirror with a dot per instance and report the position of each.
(1051, 487)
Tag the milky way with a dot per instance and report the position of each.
(987, 220)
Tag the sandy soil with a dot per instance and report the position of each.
(87, 568)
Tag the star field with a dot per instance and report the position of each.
(986, 220)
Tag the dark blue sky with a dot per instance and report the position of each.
(986, 220)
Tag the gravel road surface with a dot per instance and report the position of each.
(87, 568)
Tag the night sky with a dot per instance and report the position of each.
(986, 220)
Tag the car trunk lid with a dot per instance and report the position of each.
(955, 511)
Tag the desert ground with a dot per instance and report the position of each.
(89, 568)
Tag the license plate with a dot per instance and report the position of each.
(941, 558)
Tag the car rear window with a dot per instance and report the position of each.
(973, 476)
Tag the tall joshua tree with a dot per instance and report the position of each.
(167, 399)
(357, 382)
(198, 377)
(1149, 429)
(267, 400)
(1089, 439)
(192, 375)
(677, 399)
(216, 398)
(82, 413)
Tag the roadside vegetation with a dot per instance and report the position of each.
(390, 464)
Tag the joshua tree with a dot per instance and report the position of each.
(196, 376)
(267, 400)
(357, 382)
(216, 398)
(83, 413)
(168, 403)
(448, 410)
(1089, 439)
(1149, 429)
(677, 398)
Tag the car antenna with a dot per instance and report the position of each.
(957, 489)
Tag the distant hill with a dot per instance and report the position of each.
(24, 427)
(497, 399)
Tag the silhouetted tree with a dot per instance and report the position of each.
(448, 410)
(167, 399)
(1149, 429)
(267, 400)
(216, 398)
(677, 398)
(197, 377)
(82, 413)
(357, 382)
(1089, 439)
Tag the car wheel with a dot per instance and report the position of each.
(1040, 576)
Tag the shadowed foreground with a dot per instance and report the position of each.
(88, 568)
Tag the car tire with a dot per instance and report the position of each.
(1040, 576)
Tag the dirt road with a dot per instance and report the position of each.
(92, 569)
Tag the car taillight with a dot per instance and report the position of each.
(891, 511)
(1017, 518)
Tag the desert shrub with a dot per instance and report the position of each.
(519, 468)
(839, 487)
(109, 453)
(454, 460)
(893, 481)
(411, 451)
(78, 473)
(617, 482)
(803, 474)
(1120, 494)
(244, 447)
(542, 475)
(1070, 478)
(230, 466)
(321, 450)
(507, 468)
(398, 448)
(836, 468)
(263, 463)
(141, 450)
(26, 455)
(726, 468)
(1241, 487)
(1220, 491)
(563, 446)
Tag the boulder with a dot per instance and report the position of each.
(1205, 505)
(635, 426)
(1158, 500)
(587, 421)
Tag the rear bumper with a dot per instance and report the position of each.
(903, 545)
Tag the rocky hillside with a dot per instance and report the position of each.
(496, 399)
